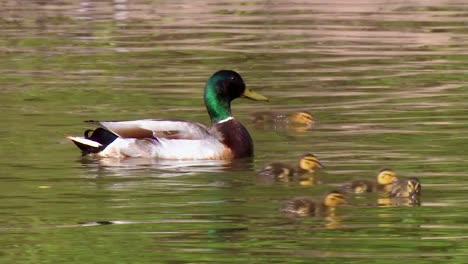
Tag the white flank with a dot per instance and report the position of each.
(181, 149)
(209, 148)
(85, 141)
(194, 143)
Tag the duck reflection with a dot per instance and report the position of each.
(399, 201)
(161, 168)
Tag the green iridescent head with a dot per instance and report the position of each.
(223, 87)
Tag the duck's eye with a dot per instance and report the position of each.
(232, 78)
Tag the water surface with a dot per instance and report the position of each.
(386, 81)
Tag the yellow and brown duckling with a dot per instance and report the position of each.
(303, 206)
(297, 120)
(282, 172)
(404, 192)
(406, 188)
(384, 180)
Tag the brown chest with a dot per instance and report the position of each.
(236, 137)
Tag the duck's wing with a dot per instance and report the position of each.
(155, 128)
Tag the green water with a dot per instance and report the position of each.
(386, 81)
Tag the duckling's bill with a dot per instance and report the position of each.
(249, 93)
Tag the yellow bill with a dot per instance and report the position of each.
(248, 93)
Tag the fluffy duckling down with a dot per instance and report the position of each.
(283, 172)
(304, 206)
(297, 120)
(383, 183)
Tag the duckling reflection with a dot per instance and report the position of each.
(399, 201)
(304, 172)
(303, 206)
(383, 183)
(299, 121)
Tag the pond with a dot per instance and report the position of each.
(385, 81)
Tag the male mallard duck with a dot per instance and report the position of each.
(406, 188)
(227, 138)
(384, 180)
(296, 120)
(303, 206)
(279, 171)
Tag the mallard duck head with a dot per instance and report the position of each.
(414, 187)
(309, 163)
(223, 87)
(386, 176)
(333, 199)
(301, 118)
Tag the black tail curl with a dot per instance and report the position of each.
(100, 135)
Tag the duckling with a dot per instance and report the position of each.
(278, 171)
(282, 172)
(297, 120)
(301, 118)
(404, 192)
(303, 206)
(384, 180)
(309, 163)
(406, 188)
